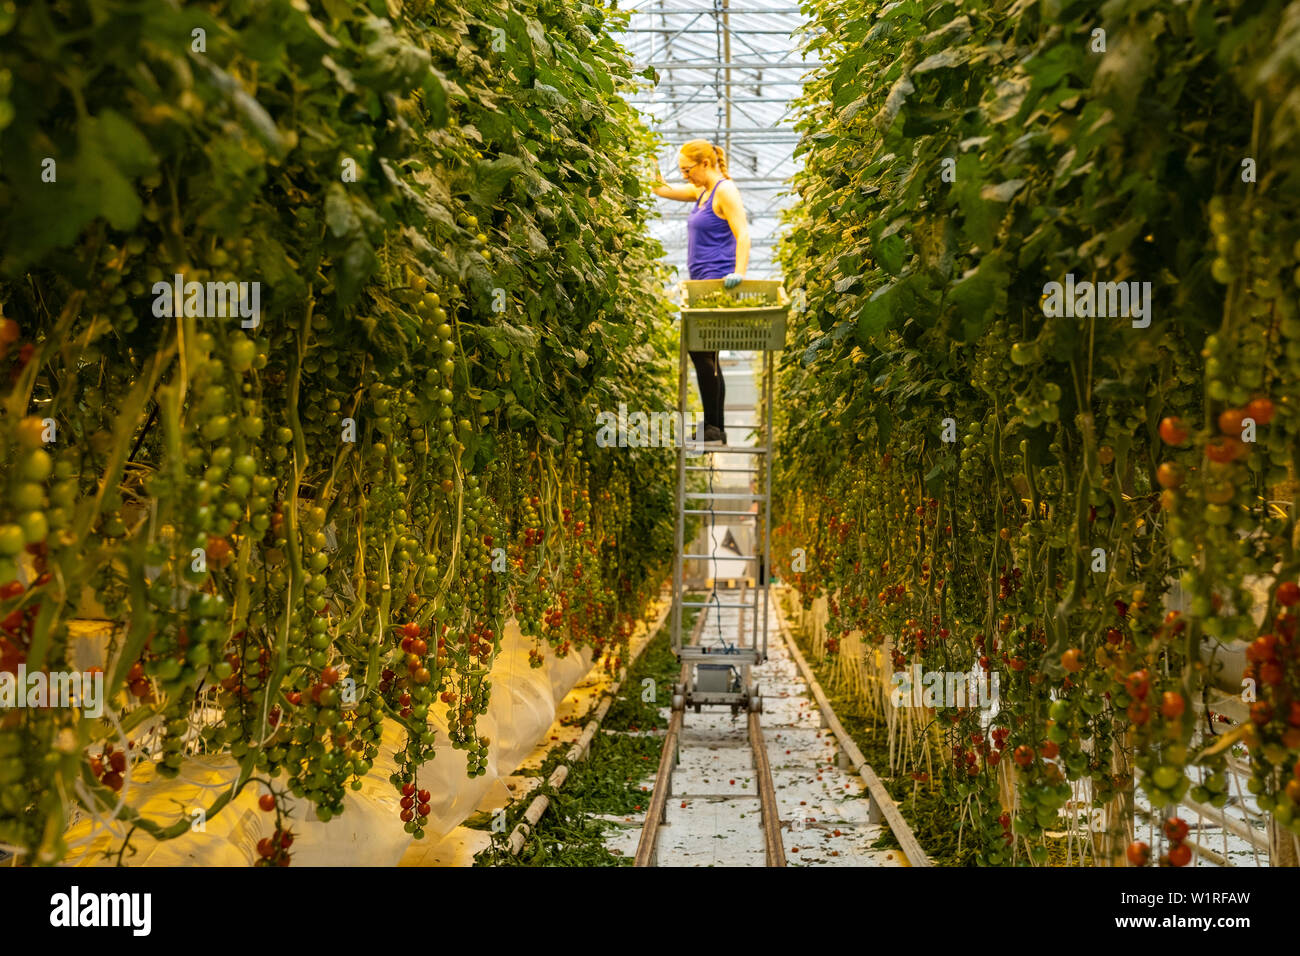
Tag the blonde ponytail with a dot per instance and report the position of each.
(702, 151)
(722, 161)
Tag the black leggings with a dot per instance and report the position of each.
(713, 390)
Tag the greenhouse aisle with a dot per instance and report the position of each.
(713, 815)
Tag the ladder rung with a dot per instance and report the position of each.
(722, 557)
(723, 471)
(726, 496)
(731, 449)
(748, 607)
(710, 511)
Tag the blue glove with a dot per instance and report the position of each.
(733, 280)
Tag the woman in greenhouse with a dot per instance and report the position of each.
(717, 247)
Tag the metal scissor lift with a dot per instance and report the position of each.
(722, 674)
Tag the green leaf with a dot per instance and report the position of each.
(1002, 192)
(491, 176)
(889, 252)
(876, 313)
(942, 60)
(977, 293)
(340, 215)
(124, 144)
(898, 94)
(354, 269)
(435, 98)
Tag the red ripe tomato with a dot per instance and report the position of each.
(1222, 449)
(1138, 683)
(1049, 750)
(267, 802)
(1172, 704)
(1139, 712)
(1271, 674)
(1176, 829)
(1138, 853)
(1293, 714)
(264, 847)
(1288, 593)
(1024, 755)
(1170, 474)
(1072, 660)
(1261, 649)
(1230, 421)
(1180, 855)
(329, 676)
(1260, 409)
(219, 551)
(1172, 431)
(1261, 712)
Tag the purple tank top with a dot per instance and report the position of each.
(710, 243)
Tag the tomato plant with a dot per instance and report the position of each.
(1075, 503)
(309, 521)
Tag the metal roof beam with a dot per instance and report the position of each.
(749, 81)
(729, 65)
(733, 11)
(709, 32)
(734, 130)
(683, 30)
(692, 99)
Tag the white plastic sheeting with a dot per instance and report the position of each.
(369, 832)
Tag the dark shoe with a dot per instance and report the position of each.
(712, 435)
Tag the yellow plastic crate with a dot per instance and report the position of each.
(759, 327)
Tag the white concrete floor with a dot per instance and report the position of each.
(713, 816)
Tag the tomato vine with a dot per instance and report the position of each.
(309, 521)
(980, 481)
